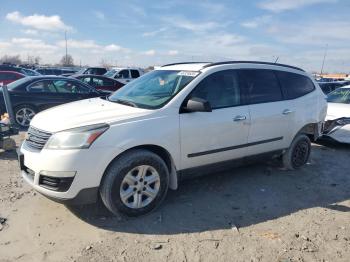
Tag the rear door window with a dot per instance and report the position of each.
(220, 89)
(295, 85)
(134, 74)
(261, 85)
(45, 86)
(72, 87)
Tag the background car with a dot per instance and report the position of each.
(21, 70)
(92, 71)
(33, 94)
(124, 75)
(56, 71)
(7, 77)
(328, 87)
(100, 82)
(337, 126)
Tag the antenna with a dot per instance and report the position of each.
(324, 58)
(277, 59)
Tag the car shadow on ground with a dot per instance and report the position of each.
(8, 155)
(239, 197)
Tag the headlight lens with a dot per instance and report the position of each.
(77, 138)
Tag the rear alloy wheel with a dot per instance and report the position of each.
(298, 153)
(24, 114)
(135, 183)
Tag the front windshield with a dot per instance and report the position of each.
(340, 95)
(154, 89)
(81, 71)
(110, 73)
(15, 84)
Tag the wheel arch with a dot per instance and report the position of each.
(311, 130)
(163, 154)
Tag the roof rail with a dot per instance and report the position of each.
(183, 63)
(252, 62)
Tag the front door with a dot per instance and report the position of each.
(220, 135)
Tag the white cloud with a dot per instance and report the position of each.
(79, 44)
(173, 52)
(256, 22)
(183, 23)
(318, 33)
(149, 52)
(99, 15)
(39, 22)
(29, 43)
(154, 33)
(284, 5)
(30, 32)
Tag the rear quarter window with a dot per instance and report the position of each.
(294, 85)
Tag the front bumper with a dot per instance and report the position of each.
(82, 170)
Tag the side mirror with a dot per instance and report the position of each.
(196, 104)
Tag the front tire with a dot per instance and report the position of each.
(24, 114)
(135, 183)
(298, 153)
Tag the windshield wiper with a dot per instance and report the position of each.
(125, 102)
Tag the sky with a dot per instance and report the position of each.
(143, 33)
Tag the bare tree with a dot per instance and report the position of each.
(15, 59)
(67, 60)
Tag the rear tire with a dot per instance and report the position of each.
(298, 153)
(135, 183)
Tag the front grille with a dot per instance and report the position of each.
(36, 139)
(60, 184)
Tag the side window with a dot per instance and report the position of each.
(96, 82)
(134, 74)
(262, 85)
(220, 89)
(46, 86)
(294, 85)
(123, 74)
(86, 80)
(64, 86)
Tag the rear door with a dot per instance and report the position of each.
(271, 115)
(123, 76)
(70, 90)
(43, 94)
(220, 135)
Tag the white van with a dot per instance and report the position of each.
(177, 120)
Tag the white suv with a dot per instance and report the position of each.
(131, 147)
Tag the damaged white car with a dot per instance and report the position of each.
(337, 126)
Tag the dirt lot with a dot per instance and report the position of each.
(255, 213)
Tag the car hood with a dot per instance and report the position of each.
(85, 112)
(337, 110)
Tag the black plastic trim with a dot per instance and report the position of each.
(85, 196)
(234, 147)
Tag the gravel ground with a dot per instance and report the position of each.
(254, 213)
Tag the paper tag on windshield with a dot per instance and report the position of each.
(188, 73)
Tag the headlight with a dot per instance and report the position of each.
(77, 138)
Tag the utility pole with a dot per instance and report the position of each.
(65, 37)
(324, 58)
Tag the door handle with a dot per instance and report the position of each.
(287, 112)
(239, 118)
